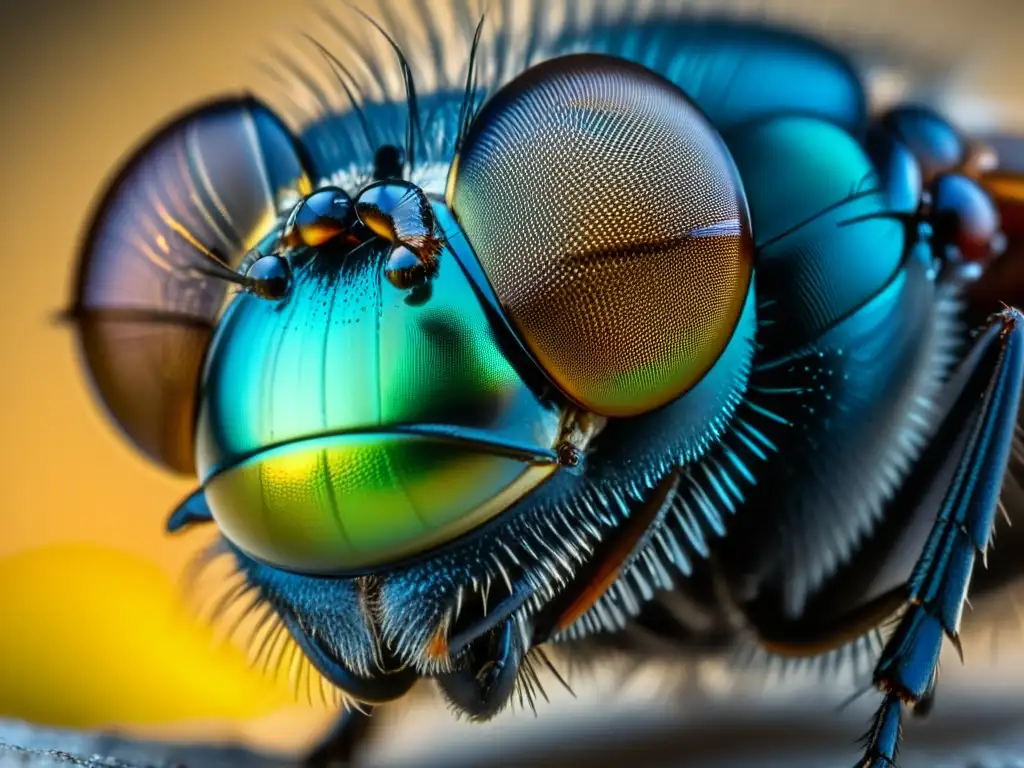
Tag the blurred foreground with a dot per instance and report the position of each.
(964, 732)
(703, 716)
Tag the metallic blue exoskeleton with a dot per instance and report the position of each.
(635, 306)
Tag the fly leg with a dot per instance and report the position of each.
(983, 398)
(342, 742)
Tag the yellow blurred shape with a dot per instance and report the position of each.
(92, 637)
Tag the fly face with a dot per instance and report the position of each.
(435, 431)
(353, 422)
(437, 382)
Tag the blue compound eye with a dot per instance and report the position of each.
(937, 145)
(607, 214)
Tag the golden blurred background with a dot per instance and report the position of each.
(92, 629)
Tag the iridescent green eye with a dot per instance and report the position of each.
(608, 216)
(349, 502)
(347, 427)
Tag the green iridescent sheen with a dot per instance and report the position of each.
(345, 426)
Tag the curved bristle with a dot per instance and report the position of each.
(467, 109)
(414, 131)
(348, 83)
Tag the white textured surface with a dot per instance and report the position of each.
(656, 717)
(963, 733)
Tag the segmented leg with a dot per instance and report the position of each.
(342, 743)
(988, 385)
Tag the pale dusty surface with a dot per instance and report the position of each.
(655, 718)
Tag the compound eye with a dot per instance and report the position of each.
(937, 145)
(607, 214)
(965, 218)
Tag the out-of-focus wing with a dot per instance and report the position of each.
(185, 208)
